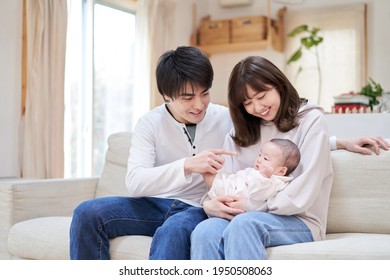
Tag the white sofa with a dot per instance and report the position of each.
(35, 215)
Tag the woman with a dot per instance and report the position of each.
(264, 105)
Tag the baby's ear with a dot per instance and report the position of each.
(282, 171)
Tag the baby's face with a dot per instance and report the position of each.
(270, 158)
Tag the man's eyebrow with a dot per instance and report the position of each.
(192, 94)
(187, 94)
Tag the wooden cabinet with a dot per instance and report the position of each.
(274, 37)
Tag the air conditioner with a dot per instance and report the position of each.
(234, 3)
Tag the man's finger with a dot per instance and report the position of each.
(224, 152)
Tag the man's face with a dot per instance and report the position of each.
(190, 106)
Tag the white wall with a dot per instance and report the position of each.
(10, 57)
(378, 37)
(10, 85)
(356, 125)
(378, 41)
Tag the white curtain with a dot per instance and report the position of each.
(43, 151)
(154, 23)
(342, 54)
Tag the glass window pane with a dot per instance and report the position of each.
(114, 33)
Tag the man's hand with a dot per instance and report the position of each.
(218, 207)
(363, 145)
(209, 161)
(208, 178)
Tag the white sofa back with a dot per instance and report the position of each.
(112, 181)
(360, 196)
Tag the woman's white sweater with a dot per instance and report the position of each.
(307, 196)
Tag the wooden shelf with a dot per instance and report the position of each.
(233, 47)
(275, 37)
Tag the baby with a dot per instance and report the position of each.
(277, 159)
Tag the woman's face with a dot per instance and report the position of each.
(264, 105)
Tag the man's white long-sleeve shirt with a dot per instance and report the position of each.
(159, 148)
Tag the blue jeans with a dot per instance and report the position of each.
(246, 237)
(169, 221)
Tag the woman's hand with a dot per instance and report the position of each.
(218, 207)
(363, 145)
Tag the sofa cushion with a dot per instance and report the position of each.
(135, 247)
(360, 193)
(346, 246)
(41, 239)
(112, 181)
(48, 239)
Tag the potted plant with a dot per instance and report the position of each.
(373, 90)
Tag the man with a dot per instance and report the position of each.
(171, 146)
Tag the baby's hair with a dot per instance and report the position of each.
(290, 151)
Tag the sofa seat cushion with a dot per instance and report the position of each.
(48, 239)
(42, 239)
(346, 246)
(135, 247)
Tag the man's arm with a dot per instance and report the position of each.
(363, 145)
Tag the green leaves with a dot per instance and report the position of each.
(312, 39)
(295, 56)
(297, 30)
(372, 90)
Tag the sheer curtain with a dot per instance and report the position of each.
(342, 54)
(42, 147)
(154, 26)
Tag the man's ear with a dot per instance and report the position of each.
(166, 98)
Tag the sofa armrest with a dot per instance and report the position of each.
(27, 199)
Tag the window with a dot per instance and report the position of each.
(342, 54)
(99, 97)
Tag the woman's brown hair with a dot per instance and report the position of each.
(261, 75)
